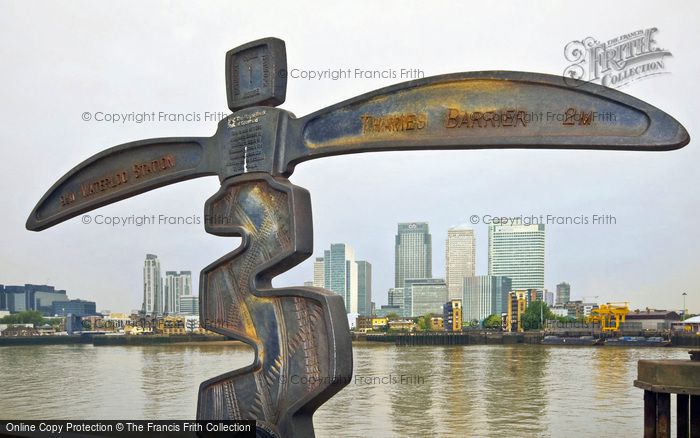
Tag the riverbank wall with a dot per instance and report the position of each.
(486, 338)
(449, 338)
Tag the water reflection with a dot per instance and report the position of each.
(458, 403)
(412, 403)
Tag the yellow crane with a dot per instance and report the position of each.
(610, 316)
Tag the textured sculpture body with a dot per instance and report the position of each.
(289, 328)
(303, 353)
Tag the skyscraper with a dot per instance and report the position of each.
(549, 298)
(459, 259)
(152, 286)
(189, 305)
(340, 274)
(364, 288)
(170, 287)
(563, 293)
(484, 295)
(396, 297)
(318, 272)
(517, 251)
(413, 252)
(176, 285)
(424, 295)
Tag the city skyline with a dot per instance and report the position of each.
(395, 296)
(516, 249)
(383, 297)
(341, 274)
(516, 255)
(319, 274)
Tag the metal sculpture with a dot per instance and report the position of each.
(303, 353)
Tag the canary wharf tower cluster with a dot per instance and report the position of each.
(515, 261)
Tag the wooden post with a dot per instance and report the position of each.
(683, 415)
(649, 414)
(695, 416)
(663, 415)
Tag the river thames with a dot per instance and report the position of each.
(500, 390)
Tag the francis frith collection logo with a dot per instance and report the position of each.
(616, 62)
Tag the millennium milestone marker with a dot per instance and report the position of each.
(303, 353)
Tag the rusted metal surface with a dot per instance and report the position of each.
(483, 110)
(256, 74)
(302, 332)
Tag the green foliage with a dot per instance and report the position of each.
(53, 322)
(27, 317)
(424, 323)
(493, 321)
(535, 315)
(31, 317)
(392, 316)
(565, 319)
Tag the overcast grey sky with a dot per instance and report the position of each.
(62, 59)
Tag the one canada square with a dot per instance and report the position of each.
(413, 252)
